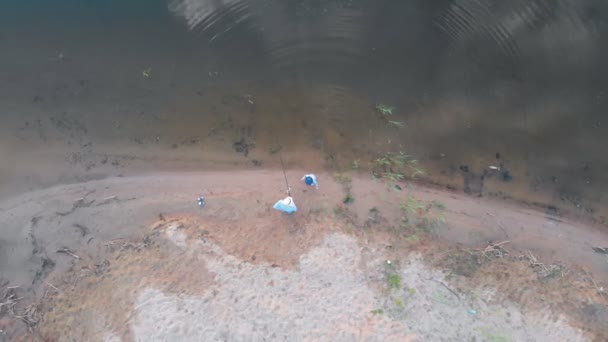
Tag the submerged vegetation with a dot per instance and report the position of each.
(387, 111)
(397, 124)
(396, 167)
(384, 109)
(275, 149)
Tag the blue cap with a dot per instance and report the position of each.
(309, 181)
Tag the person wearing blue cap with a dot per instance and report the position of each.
(310, 180)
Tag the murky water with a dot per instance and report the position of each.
(494, 98)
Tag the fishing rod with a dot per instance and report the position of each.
(285, 175)
(286, 205)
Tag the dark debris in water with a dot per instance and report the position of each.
(600, 250)
(473, 184)
(242, 146)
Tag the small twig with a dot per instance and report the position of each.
(534, 262)
(68, 252)
(503, 230)
(545, 271)
(53, 286)
(600, 290)
(447, 287)
(466, 214)
(493, 246)
(107, 200)
(497, 249)
(125, 244)
(11, 301)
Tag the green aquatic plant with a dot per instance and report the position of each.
(396, 167)
(396, 164)
(275, 149)
(394, 177)
(415, 170)
(397, 124)
(384, 109)
(383, 162)
(413, 205)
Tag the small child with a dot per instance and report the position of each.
(310, 180)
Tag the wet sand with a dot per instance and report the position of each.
(139, 237)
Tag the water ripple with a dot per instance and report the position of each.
(496, 34)
(291, 32)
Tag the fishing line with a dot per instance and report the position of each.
(285, 175)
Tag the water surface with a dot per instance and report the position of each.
(98, 88)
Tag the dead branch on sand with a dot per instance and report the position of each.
(600, 290)
(50, 286)
(495, 250)
(68, 252)
(126, 244)
(9, 300)
(446, 286)
(108, 200)
(542, 270)
(29, 317)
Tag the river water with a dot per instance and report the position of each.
(494, 98)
